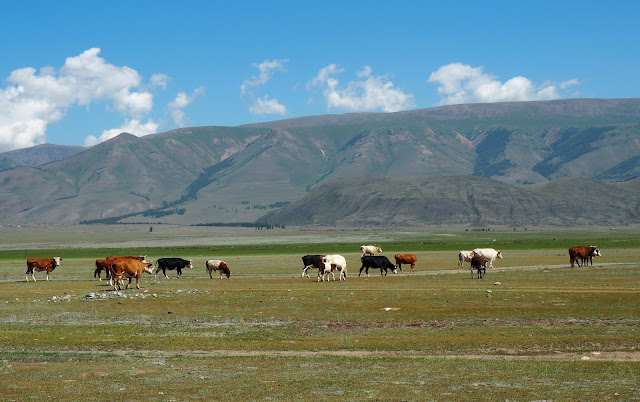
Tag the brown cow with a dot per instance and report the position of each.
(41, 264)
(128, 268)
(113, 258)
(406, 259)
(480, 265)
(583, 253)
(102, 265)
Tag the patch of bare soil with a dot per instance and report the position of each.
(619, 356)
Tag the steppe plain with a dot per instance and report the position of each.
(532, 329)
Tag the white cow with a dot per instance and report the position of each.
(339, 262)
(464, 256)
(488, 254)
(370, 250)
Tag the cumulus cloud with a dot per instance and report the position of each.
(367, 93)
(34, 100)
(181, 101)
(133, 126)
(266, 69)
(461, 83)
(267, 106)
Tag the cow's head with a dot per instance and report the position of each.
(56, 261)
(595, 252)
(499, 255)
(471, 254)
(148, 267)
(190, 264)
(378, 249)
(142, 258)
(224, 268)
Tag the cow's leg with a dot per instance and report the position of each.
(361, 268)
(413, 267)
(179, 272)
(164, 272)
(137, 282)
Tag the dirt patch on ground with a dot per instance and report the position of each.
(619, 356)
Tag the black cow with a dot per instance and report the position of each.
(170, 264)
(377, 261)
(311, 261)
(480, 265)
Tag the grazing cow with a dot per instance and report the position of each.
(128, 268)
(406, 259)
(327, 269)
(311, 261)
(218, 265)
(172, 263)
(583, 253)
(339, 262)
(480, 265)
(102, 265)
(370, 250)
(488, 254)
(380, 261)
(464, 256)
(41, 264)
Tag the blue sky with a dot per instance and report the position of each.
(80, 72)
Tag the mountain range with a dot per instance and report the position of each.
(238, 174)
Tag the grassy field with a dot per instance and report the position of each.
(532, 329)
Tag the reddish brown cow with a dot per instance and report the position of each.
(583, 253)
(406, 259)
(41, 264)
(128, 268)
(102, 265)
(113, 258)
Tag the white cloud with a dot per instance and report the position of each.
(32, 101)
(267, 106)
(461, 83)
(266, 69)
(368, 93)
(181, 101)
(160, 80)
(132, 126)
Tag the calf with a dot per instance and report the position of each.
(583, 253)
(488, 254)
(339, 262)
(113, 258)
(326, 270)
(102, 265)
(172, 263)
(311, 261)
(128, 268)
(464, 256)
(406, 259)
(480, 265)
(370, 250)
(381, 262)
(218, 265)
(41, 264)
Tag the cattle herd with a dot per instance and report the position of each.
(118, 268)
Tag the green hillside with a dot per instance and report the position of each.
(237, 174)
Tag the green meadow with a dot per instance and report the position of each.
(532, 329)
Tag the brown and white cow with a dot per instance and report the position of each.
(218, 265)
(128, 268)
(464, 256)
(112, 258)
(41, 264)
(583, 253)
(326, 269)
(406, 259)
